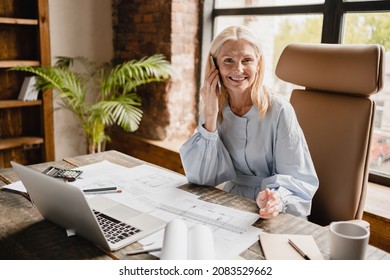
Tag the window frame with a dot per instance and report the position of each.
(333, 12)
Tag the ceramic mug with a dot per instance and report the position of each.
(348, 240)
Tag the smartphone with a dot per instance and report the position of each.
(214, 64)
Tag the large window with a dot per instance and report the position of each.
(366, 28)
(279, 23)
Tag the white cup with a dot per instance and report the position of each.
(348, 240)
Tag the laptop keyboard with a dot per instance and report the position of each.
(114, 230)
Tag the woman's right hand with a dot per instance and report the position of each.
(209, 93)
(270, 203)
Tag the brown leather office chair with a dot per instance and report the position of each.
(336, 115)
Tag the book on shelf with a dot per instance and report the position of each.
(28, 91)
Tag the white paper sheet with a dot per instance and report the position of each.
(136, 181)
(16, 186)
(154, 190)
(232, 229)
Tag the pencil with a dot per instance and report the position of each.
(137, 252)
(103, 192)
(296, 248)
(101, 189)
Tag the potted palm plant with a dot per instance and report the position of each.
(100, 96)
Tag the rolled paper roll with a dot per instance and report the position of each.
(175, 241)
(200, 243)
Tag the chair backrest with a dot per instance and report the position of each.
(336, 115)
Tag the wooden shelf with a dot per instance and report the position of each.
(9, 143)
(18, 103)
(14, 63)
(27, 127)
(21, 21)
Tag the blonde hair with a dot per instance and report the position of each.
(259, 94)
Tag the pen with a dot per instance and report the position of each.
(136, 252)
(298, 250)
(100, 189)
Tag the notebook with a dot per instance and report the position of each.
(276, 246)
(92, 219)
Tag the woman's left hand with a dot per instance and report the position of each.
(270, 204)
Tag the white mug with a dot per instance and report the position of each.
(348, 240)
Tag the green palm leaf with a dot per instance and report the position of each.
(101, 96)
(122, 111)
(134, 73)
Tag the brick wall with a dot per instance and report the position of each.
(170, 27)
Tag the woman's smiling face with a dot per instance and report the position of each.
(237, 63)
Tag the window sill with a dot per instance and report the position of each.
(377, 213)
(377, 200)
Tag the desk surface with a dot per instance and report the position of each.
(24, 234)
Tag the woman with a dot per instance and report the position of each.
(250, 137)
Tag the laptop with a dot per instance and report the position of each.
(101, 220)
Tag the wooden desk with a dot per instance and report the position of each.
(24, 234)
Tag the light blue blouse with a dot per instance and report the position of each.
(251, 154)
